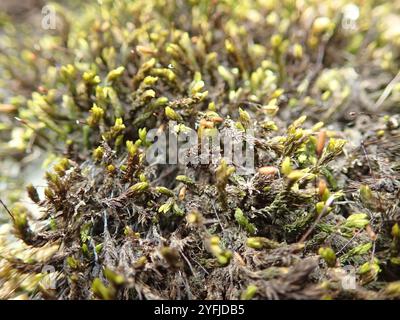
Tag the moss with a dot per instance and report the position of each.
(316, 102)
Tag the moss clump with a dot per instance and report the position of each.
(315, 100)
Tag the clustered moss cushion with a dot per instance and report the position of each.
(314, 82)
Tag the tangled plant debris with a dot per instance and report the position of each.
(314, 82)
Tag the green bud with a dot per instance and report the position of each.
(328, 255)
(114, 277)
(261, 242)
(131, 147)
(369, 271)
(85, 249)
(53, 178)
(240, 126)
(98, 153)
(357, 220)
(166, 207)
(148, 94)
(296, 175)
(68, 71)
(142, 134)
(223, 256)
(72, 262)
(319, 207)
(164, 72)
(244, 222)
(171, 114)
(165, 191)
(161, 101)
(223, 259)
(184, 179)
(197, 86)
(139, 187)
(335, 146)
(96, 114)
(396, 231)
(365, 193)
(244, 117)
(254, 242)
(177, 210)
(212, 107)
(286, 166)
(249, 293)
(149, 80)
(142, 177)
(115, 74)
(90, 78)
(269, 125)
(101, 291)
(360, 250)
(111, 168)
(98, 248)
(298, 51)
(276, 41)
(321, 24)
(119, 125)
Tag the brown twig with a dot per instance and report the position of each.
(8, 211)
